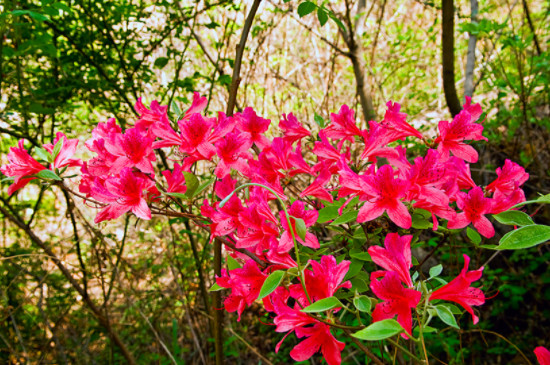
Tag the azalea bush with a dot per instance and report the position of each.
(328, 228)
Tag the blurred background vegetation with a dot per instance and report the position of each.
(67, 65)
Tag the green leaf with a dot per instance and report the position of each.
(57, 148)
(435, 271)
(544, 199)
(420, 222)
(514, 218)
(362, 303)
(301, 228)
(473, 235)
(232, 264)
(337, 21)
(191, 182)
(354, 268)
(359, 284)
(345, 218)
(305, 8)
(322, 16)
(319, 120)
(32, 14)
(524, 237)
(174, 107)
(177, 195)
(61, 6)
(363, 256)
(161, 62)
(271, 283)
(43, 154)
(322, 305)
(446, 316)
(326, 214)
(48, 174)
(204, 185)
(379, 330)
(216, 287)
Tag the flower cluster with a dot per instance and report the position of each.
(292, 175)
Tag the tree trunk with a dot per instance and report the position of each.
(448, 57)
(471, 57)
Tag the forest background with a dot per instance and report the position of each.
(67, 65)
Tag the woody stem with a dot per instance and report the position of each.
(293, 234)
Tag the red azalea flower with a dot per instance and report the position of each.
(319, 339)
(543, 355)
(122, 194)
(232, 151)
(460, 291)
(396, 123)
(67, 151)
(131, 149)
(297, 210)
(175, 180)
(293, 130)
(245, 284)
(474, 206)
(387, 192)
(397, 300)
(396, 256)
(20, 166)
(452, 136)
(322, 281)
(317, 188)
(342, 126)
(510, 176)
(253, 127)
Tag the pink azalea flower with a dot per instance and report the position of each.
(323, 280)
(254, 230)
(196, 137)
(67, 151)
(387, 191)
(131, 149)
(225, 220)
(297, 210)
(148, 117)
(122, 194)
(502, 202)
(474, 109)
(452, 136)
(197, 106)
(543, 355)
(474, 206)
(253, 126)
(175, 180)
(319, 338)
(376, 140)
(326, 152)
(293, 130)
(397, 300)
(317, 188)
(352, 184)
(284, 160)
(463, 176)
(426, 178)
(439, 210)
(342, 126)
(460, 291)
(510, 176)
(396, 256)
(20, 166)
(102, 131)
(396, 123)
(245, 284)
(232, 151)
